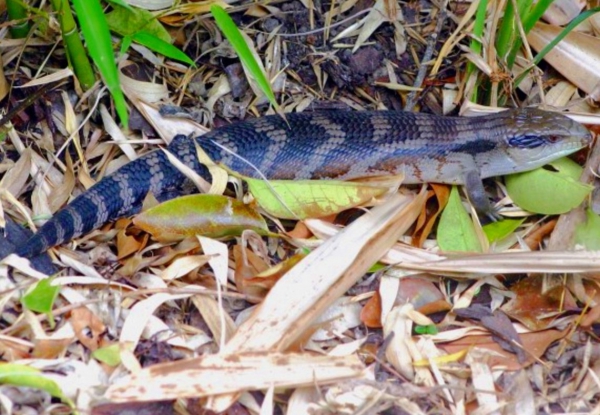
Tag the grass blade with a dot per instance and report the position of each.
(233, 34)
(99, 43)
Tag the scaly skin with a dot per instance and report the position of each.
(327, 145)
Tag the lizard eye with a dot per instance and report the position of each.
(527, 141)
(553, 138)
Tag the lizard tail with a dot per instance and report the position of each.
(117, 195)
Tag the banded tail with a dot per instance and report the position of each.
(117, 195)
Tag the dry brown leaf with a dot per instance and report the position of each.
(268, 277)
(534, 344)
(342, 315)
(382, 11)
(53, 77)
(14, 179)
(127, 244)
(535, 308)
(183, 266)
(116, 133)
(49, 348)
(88, 327)
(556, 262)
(13, 348)
(371, 312)
(220, 324)
(166, 127)
(426, 223)
(561, 94)
(576, 57)
(218, 374)
(139, 316)
(483, 382)
(333, 267)
(247, 265)
(4, 87)
(62, 192)
(562, 12)
(277, 323)
(149, 92)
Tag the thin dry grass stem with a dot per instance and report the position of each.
(528, 53)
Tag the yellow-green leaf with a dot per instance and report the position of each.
(587, 234)
(40, 298)
(456, 231)
(213, 216)
(110, 355)
(549, 192)
(27, 376)
(301, 199)
(498, 230)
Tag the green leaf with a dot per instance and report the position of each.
(301, 199)
(110, 355)
(40, 298)
(549, 192)
(26, 376)
(125, 44)
(456, 232)
(120, 3)
(214, 216)
(430, 329)
(588, 234)
(475, 43)
(499, 230)
(99, 44)
(162, 47)
(232, 33)
(129, 22)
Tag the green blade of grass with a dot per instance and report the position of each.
(529, 16)
(232, 33)
(506, 32)
(537, 10)
(475, 44)
(160, 46)
(99, 43)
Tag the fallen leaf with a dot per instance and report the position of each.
(576, 57)
(534, 308)
(535, 343)
(213, 216)
(301, 199)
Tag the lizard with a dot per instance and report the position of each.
(330, 145)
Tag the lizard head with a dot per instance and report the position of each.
(536, 137)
